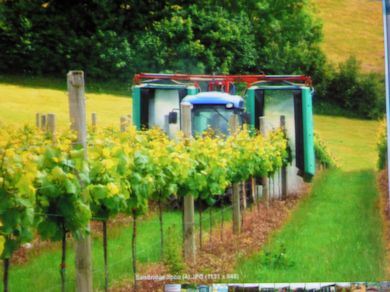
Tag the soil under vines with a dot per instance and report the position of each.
(220, 254)
(383, 186)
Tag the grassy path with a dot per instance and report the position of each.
(336, 233)
(42, 272)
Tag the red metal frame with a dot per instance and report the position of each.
(223, 80)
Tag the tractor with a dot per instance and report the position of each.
(157, 99)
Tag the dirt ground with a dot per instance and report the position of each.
(220, 253)
(385, 212)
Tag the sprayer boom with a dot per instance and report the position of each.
(224, 81)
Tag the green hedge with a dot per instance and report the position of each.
(347, 88)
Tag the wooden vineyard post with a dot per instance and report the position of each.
(123, 123)
(75, 80)
(284, 169)
(43, 122)
(189, 212)
(51, 125)
(94, 121)
(38, 120)
(264, 179)
(236, 186)
(253, 191)
(244, 198)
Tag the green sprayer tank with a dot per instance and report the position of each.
(295, 103)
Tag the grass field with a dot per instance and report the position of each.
(352, 27)
(352, 141)
(21, 98)
(336, 233)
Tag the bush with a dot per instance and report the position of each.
(381, 145)
(361, 94)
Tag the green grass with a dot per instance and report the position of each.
(336, 233)
(33, 277)
(352, 141)
(353, 27)
(22, 97)
(334, 236)
(41, 273)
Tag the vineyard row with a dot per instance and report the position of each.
(48, 187)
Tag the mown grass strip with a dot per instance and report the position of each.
(335, 235)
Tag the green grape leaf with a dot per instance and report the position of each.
(70, 187)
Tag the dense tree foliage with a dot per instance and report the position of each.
(115, 39)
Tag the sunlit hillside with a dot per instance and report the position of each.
(353, 27)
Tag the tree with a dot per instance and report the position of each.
(115, 39)
(359, 93)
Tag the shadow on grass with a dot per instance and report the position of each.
(328, 108)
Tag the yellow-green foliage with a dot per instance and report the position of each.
(382, 144)
(18, 105)
(322, 153)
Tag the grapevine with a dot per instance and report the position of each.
(60, 207)
(46, 185)
(18, 169)
(107, 197)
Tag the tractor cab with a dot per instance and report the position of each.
(213, 110)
